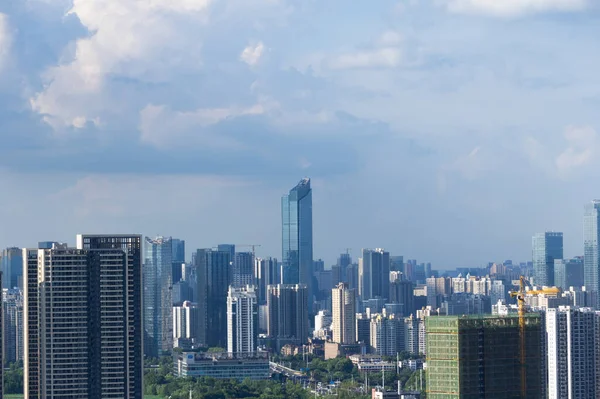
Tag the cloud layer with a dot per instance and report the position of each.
(430, 125)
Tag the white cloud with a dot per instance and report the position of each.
(582, 148)
(163, 127)
(5, 39)
(514, 8)
(390, 38)
(252, 53)
(128, 38)
(387, 57)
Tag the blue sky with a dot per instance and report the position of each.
(448, 131)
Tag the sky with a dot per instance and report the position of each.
(447, 131)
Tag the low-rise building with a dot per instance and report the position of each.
(223, 365)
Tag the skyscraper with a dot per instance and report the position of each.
(12, 268)
(343, 307)
(401, 292)
(177, 258)
(213, 271)
(546, 247)
(266, 272)
(591, 249)
(242, 319)
(287, 320)
(572, 351)
(297, 237)
(479, 357)
(158, 301)
(374, 274)
(243, 269)
(88, 342)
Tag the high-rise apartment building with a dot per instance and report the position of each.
(242, 319)
(374, 274)
(243, 269)
(12, 329)
(11, 262)
(479, 357)
(572, 352)
(1, 347)
(83, 319)
(387, 335)
(343, 309)
(158, 300)
(287, 320)
(177, 259)
(185, 321)
(546, 247)
(266, 272)
(213, 271)
(297, 237)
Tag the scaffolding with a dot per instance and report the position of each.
(478, 356)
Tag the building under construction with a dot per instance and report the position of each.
(479, 356)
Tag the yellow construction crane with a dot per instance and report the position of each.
(520, 295)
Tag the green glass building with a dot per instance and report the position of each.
(477, 357)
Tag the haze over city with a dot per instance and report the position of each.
(445, 131)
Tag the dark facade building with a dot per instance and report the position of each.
(12, 268)
(546, 247)
(243, 269)
(297, 237)
(287, 320)
(177, 258)
(213, 271)
(83, 319)
(402, 293)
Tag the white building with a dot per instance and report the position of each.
(242, 319)
(571, 352)
(185, 321)
(343, 306)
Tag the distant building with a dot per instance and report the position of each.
(185, 321)
(177, 259)
(363, 328)
(158, 300)
(568, 273)
(243, 269)
(223, 365)
(297, 238)
(546, 247)
(591, 248)
(213, 273)
(387, 335)
(266, 272)
(11, 262)
(481, 354)
(242, 319)
(287, 314)
(402, 293)
(374, 274)
(343, 314)
(12, 329)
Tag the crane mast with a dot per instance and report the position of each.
(520, 295)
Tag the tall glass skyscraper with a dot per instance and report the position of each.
(591, 253)
(12, 268)
(158, 302)
(297, 236)
(546, 247)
